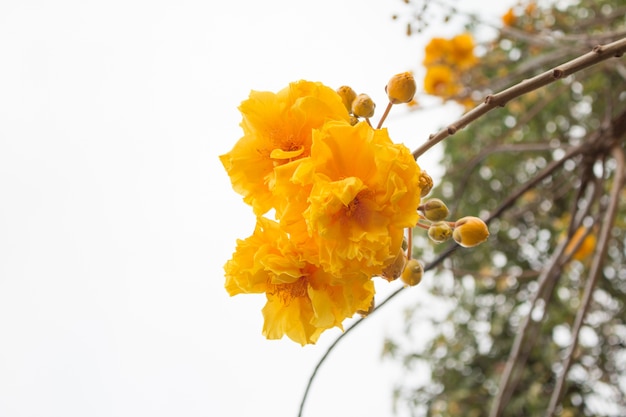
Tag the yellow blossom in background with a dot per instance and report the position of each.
(365, 191)
(441, 81)
(584, 248)
(445, 60)
(302, 299)
(531, 8)
(509, 18)
(436, 51)
(462, 51)
(277, 129)
(457, 52)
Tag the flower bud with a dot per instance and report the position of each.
(440, 232)
(363, 106)
(426, 183)
(470, 231)
(434, 210)
(347, 95)
(395, 268)
(401, 88)
(412, 274)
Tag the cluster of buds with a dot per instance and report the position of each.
(467, 231)
(400, 89)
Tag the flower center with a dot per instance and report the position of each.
(357, 208)
(288, 291)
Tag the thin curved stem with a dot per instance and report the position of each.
(384, 116)
(332, 346)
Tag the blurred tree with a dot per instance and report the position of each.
(533, 320)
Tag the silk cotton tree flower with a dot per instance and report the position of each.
(364, 193)
(277, 129)
(303, 300)
(343, 196)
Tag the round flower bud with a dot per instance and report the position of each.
(426, 183)
(401, 88)
(363, 106)
(395, 268)
(347, 95)
(440, 232)
(434, 210)
(412, 274)
(470, 231)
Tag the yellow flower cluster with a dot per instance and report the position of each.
(342, 194)
(445, 60)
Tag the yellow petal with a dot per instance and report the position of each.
(281, 154)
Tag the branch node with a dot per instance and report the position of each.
(489, 99)
(452, 130)
(558, 73)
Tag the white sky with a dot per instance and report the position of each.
(116, 216)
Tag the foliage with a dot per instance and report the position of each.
(567, 133)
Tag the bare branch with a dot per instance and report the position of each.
(598, 54)
(594, 273)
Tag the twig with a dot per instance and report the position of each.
(521, 349)
(528, 331)
(598, 54)
(332, 346)
(594, 273)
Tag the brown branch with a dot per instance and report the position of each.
(598, 54)
(594, 274)
(526, 335)
(528, 331)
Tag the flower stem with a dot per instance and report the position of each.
(384, 116)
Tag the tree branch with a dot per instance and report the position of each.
(598, 54)
(594, 274)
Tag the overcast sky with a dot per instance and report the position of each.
(116, 216)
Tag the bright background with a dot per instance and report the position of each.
(116, 216)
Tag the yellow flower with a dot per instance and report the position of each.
(462, 51)
(365, 191)
(508, 19)
(302, 299)
(277, 130)
(455, 52)
(587, 246)
(436, 51)
(440, 81)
